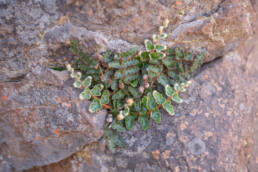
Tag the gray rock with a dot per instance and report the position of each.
(196, 146)
(42, 120)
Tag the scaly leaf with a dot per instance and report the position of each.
(144, 121)
(77, 84)
(144, 56)
(105, 97)
(87, 81)
(129, 53)
(163, 80)
(158, 97)
(160, 48)
(176, 98)
(134, 92)
(85, 94)
(95, 106)
(114, 64)
(118, 95)
(151, 104)
(129, 121)
(148, 45)
(169, 91)
(157, 55)
(156, 115)
(168, 107)
(96, 90)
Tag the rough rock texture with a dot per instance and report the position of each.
(42, 122)
(214, 130)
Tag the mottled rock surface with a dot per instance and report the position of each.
(41, 121)
(215, 129)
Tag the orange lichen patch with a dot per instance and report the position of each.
(178, 3)
(166, 154)
(205, 77)
(62, 20)
(155, 154)
(67, 105)
(56, 131)
(58, 99)
(5, 98)
(183, 126)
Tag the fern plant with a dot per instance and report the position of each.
(134, 85)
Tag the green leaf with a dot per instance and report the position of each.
(85, 94)
(87, 81)
(129, 121)
(118, 74)
(188, 57)
(114, 84)
(126, 111)
(169, 91)
(130, 78)
(107, 56)
(155, 37)
(163, 80)
(144, 121)
(134, 83)
(151, 104)
(118, 95)
(107, 76)
(118, 126)
(168, 107)
(148, 45)
(144, 56)
(158, 97)
(177, 86)
(129, 53)
(143, 105)
(154, 68)
(77, 84)
(131, 62)
(96, 90)
(157, 55)
(197, 62)
(170, 52)
(156, 115)
(137, 106)
(105, 97)
(168, 62)
(114, 64)
(176, 98)
(131, 70)
(163, 36)
(160, 47)
(95, 106)
(179, 54)
(173, 75)
(134, 92)
(151, 74)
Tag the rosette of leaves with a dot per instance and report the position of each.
(134, 85)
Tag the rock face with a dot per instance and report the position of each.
(215, 129)
(41, 120)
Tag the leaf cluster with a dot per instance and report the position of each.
(134, 85)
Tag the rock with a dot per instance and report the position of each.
(42, 120)
(215, 133)
(220, 107)
(196, 146)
